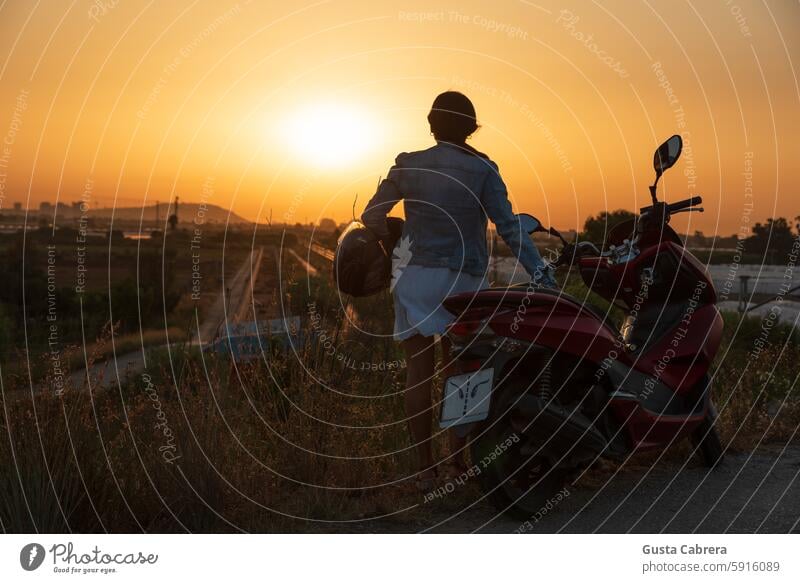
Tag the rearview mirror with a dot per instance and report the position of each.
(529, 223)
(667, 154)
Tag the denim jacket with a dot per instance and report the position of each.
(448, 194)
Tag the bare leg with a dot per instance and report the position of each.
(420, 353)
(457, 444)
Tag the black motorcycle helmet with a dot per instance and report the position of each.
(360, 266)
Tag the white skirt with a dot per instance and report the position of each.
(418, 295)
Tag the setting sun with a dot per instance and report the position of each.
(329, 134)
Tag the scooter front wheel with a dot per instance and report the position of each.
(517, 484)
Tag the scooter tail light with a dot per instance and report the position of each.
(470, 328)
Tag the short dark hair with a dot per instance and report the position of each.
(452, 117)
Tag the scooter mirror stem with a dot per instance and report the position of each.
(553, 231)
(653, 190)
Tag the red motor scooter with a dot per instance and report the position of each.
(547, 384)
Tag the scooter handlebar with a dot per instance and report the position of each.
(683, 204)
(572, 251)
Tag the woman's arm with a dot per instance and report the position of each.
(498, 209)
(382, 202)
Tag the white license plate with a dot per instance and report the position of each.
(466, 398)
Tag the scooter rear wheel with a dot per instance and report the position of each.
(706, 440)
(518, 484)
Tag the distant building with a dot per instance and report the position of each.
(45, 207)
(327, 225)
(17, 206)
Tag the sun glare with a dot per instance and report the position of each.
(330, 134)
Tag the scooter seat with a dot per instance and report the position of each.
(586, 306)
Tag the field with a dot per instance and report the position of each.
(63, 293)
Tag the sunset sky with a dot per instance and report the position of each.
(298, 107)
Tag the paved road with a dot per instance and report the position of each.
(238, 296)
(310, 269)
(758, 493)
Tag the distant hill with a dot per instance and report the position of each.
(187, 212)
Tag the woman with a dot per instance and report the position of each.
(448, 192)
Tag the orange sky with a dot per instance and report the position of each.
(152, 99)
